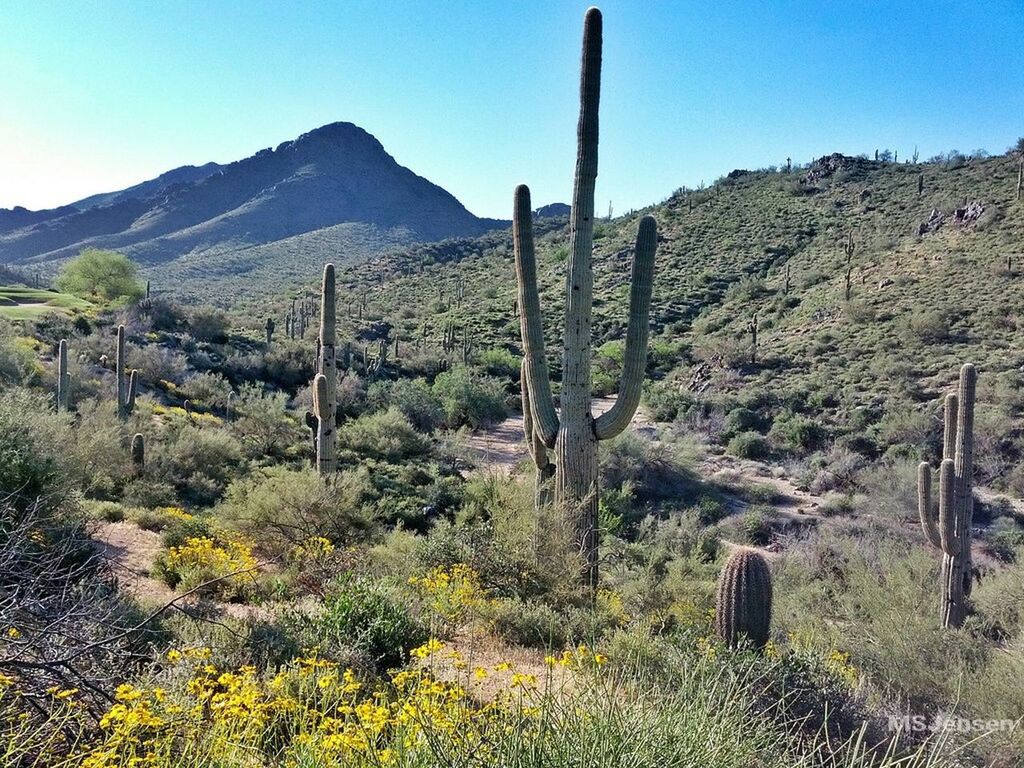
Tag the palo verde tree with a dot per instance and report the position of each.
(101, 275)
(574, 433)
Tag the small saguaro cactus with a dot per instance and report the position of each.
(752, 327)
(133, 389)
(743, 606)
(138, 451)
(270, 325)
(63, 377)
(119, 373)
(920, 184)
(326, 449)
(228, 403)
(574, 433)
(950, 530)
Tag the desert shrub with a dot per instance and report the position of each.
(34, 461)
(741, 420)
(156, 363)
(107, 511)
(666, 401)
(531, 623)
(386, 434)
(198, 463)
(210, 389)
(748, 445)
(224, 568)
(17, 362)
(263, 424)
(161, 314)
(755, 525)
(368, 616)
(889, 489)
(413, 397)
(99, 449)
(929, 326)
(499, 362)
(285, 365)
(469, 398)
(209, 325)
(653, 470)
(794, 432)
(282, 508)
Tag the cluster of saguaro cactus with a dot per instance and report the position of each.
(948, 528)
(325, 385)
(574, 433)
(63, 377)
(127, 384)
(743, 605)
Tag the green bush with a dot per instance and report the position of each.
(198, 463)
(281, 508)
(748, 445)
(413, 397)
(469, 398)
(365, 615)
(385, 434)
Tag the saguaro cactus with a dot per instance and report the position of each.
(743, 607)
(326, 406)
(544, 491)
(950, 531)
(138, 451)
(326, 450)
(122, 382)
(575, 432)
(63, 377)
(270, 326)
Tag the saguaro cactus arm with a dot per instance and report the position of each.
(538, 451)
(617, 418)
(949, 540)
(924, 504)
(535, 364)
(950, 414)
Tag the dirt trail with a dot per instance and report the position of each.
(131, 552)
(502, 447)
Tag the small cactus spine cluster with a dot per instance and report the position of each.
(63, 377)
(948, 528)
(743, 606)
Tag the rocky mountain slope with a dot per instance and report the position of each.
(337, 174)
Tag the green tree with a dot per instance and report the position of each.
(105, 275)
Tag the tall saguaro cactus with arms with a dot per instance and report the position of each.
(574, 433)
(950, 530)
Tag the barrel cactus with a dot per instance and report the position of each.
(743, 606)
(948, 528)
(574, 433)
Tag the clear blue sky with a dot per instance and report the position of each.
(478, 96)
